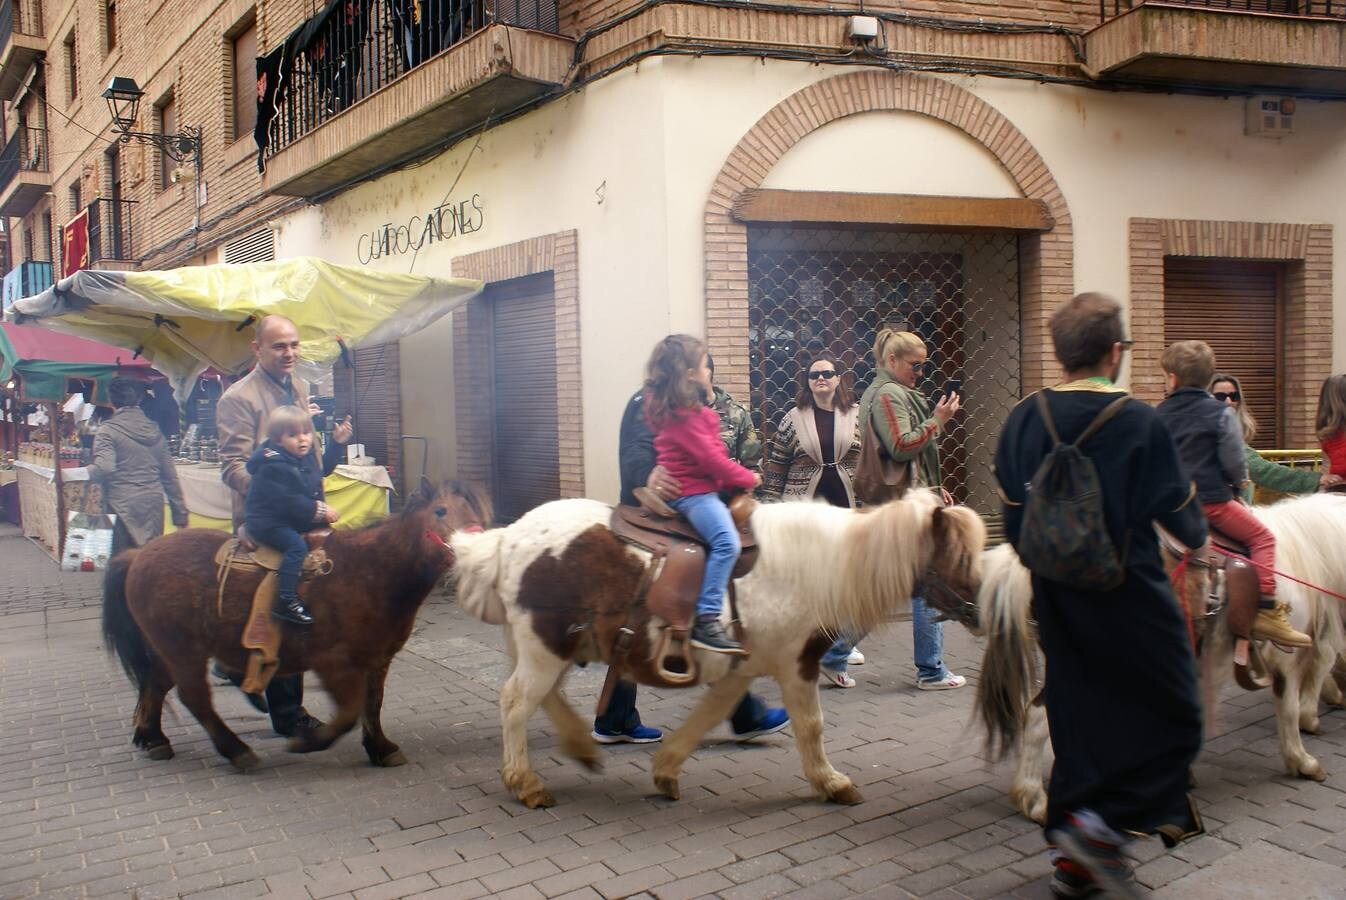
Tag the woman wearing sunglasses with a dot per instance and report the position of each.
(812, 457)
(1264, 472)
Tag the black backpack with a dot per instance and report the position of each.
(1065, 537)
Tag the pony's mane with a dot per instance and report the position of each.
(417, 501)
(850, 567)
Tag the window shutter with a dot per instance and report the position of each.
(1233, 306)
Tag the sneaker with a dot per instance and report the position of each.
(709, 635)
(947, 683)
(640, 734)
(1072, 880)
(839, 678)
(302, 722)
(856, 658)
(1101, 859)
(1274, 625)
(772, 721)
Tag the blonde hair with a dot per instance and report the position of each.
(668, 387)
(1331, 416)
(1192, 361)
(288, 420)
(897, 343)
(1246, 419)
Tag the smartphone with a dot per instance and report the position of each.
(952, 386)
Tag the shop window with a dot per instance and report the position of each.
(166, 114)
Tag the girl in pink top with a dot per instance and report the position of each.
(687, 443)
(1331, 423)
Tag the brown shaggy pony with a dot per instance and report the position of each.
(164, 618)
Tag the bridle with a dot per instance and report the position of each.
(936, 591)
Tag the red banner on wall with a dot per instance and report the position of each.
(75, 244)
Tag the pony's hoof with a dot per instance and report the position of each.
(667, 785)
(1310, 726)
(539, 799)
(1312, 770)
(847, 796)
(245, 761)
(392, 760)
(160, 751)
(592, 762)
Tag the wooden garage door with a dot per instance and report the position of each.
(523, 353)
(1234, 306)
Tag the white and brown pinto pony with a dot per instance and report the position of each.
(562, 585)
(1310, 545)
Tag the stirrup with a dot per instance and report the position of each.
(661, 653)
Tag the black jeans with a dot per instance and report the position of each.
(293, 547)
(621, 713)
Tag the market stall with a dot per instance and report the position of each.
(359, 493)
(43, 367)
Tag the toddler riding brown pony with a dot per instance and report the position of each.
(165, 617)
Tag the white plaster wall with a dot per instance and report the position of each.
(629, 163)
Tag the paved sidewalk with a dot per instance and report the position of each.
(82, 813)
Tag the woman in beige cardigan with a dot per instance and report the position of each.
(813, 457)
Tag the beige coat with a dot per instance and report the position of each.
(795, 458)
(131, 460)
(240, 417)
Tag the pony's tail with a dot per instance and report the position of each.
(1009, 664)
(477, 572)
(121, 634)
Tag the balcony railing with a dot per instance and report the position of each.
(26, 151)
(110, 235)
(23, 17)
(357, 49)
(1331, 9)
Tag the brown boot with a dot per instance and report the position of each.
(1273, 624)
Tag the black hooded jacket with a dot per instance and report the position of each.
(285, 490)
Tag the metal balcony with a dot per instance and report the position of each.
(25, 175)
(21, 42)
(1272, 46)
(111, 243)
(362, 93)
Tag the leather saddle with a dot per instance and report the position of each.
(1236, 580)
(672, 579)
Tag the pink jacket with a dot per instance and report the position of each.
(690, 448)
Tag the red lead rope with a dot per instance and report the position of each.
(1180, 588)
(1308, 584)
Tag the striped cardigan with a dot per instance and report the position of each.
(794, 463)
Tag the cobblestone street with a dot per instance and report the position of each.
(86, 814)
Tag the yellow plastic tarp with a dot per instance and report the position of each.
(359, 503)
(183, 320)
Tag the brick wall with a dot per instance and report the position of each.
(1045, 260)
(1307, 348)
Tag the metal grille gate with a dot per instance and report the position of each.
(814, 289)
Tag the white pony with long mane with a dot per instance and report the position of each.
(563, 586)
(1310, 545)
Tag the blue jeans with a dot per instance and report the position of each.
(711, 519)
(928, 640)
(621, 713)
(293, 548)
(836, 655)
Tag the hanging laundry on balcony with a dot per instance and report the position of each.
(315, 71)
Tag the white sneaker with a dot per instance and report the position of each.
(856, 658)
(947, 683)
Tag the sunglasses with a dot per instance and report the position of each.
(821, 374)
(1222, 396)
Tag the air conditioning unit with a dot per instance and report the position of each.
(1269, 116)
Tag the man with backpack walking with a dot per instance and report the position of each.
(1085, 473)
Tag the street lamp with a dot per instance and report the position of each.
(123, 102)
